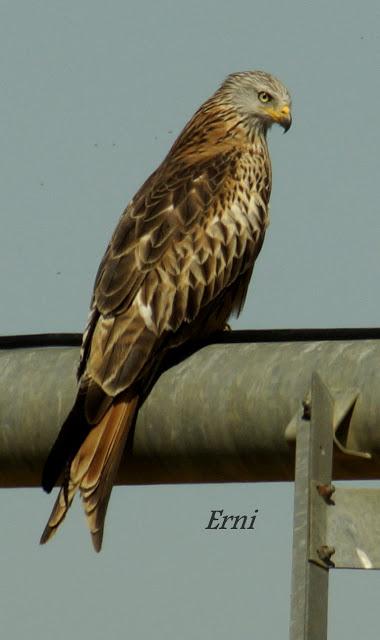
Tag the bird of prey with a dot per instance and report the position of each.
(177, 266)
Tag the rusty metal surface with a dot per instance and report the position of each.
(220, 415)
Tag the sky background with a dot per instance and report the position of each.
(92, 96)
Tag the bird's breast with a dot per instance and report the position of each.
(244, 207)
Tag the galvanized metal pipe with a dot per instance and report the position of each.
(218, 416)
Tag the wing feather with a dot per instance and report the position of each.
(171, 255)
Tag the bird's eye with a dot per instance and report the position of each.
(264, 96)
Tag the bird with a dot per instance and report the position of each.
(177, 267)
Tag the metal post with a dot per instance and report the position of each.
(313, 463)
(333, 527)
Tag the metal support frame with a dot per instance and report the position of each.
(231, 412)
(222, 414)
(333, 527)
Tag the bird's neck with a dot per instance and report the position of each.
(256, 130)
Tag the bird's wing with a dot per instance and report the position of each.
(174, 200)
(149, 282)
(178, 247)
(171, 254)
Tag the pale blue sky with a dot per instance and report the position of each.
(92, 96)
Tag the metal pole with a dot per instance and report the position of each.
(309, 598)
(226, 413)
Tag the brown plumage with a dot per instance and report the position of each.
(178, 264)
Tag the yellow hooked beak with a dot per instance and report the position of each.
(282, 115)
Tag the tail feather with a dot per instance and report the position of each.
(61, 506)
(90, 406)
(93, 470)
(97, 481)
(71, 436)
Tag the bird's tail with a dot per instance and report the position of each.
(93, 470)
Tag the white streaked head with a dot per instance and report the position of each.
(259, 97)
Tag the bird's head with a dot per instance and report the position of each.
(259, 97)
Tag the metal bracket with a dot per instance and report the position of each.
(352, 529)
(344, 405)
(333, 527)
(344, 522)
